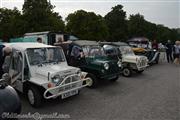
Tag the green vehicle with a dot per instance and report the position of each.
(90, 58)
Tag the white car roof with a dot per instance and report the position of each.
(22, 46)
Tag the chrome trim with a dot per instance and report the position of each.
(64, 85)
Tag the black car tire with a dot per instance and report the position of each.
(94, 80)
(127, 72)
(37, 96)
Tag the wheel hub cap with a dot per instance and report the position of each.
(31, 96)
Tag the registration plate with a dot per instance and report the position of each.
(68, 94)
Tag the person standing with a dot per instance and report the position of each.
(155, 45)
(177, 53)
(4, 51)
(169, 50)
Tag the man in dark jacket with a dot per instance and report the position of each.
(4, 51)
(169, 49)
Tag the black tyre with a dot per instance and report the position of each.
(34, 96)
(94, 80)
(127, 72)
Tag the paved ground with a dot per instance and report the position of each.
(154, 95)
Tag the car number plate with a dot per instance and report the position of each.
(68, 94)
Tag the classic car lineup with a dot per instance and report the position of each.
(42, 71)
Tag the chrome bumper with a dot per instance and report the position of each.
(143, 67)
(79, 84)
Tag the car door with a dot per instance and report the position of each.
(15, 70)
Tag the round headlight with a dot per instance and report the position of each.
(119, 63)
(55, 79)
(106, 66)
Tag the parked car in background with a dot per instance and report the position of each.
(142, 46)
(90, 57)
(124, 53)
(41, 72)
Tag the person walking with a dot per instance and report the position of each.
(177, 53)
(169, 50)
(4, 51)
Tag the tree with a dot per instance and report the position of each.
(163, 33)
(117, 24)
(39, 16)
(11, 23)
(87, 25)
(136, 25)
(139, 27)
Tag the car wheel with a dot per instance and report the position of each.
(126, 72)
(93, 80)
(34, 96)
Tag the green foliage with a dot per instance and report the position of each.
(86, 25)
(117, 24)
(11, 23)
(39, 16)
(139, 27)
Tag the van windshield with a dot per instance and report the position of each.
(39, 56)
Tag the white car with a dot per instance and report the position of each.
(41, 71)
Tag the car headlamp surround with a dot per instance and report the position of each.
(56, 79)
(119, 63)
(106, 66)
(139, 62)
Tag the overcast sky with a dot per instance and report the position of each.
(165, 12)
